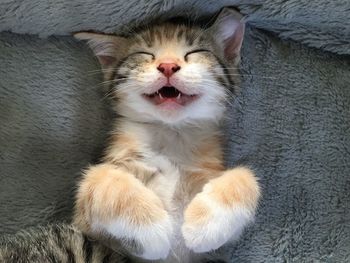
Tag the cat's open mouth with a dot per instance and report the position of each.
(170, 94)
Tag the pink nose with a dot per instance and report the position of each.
(168, 69)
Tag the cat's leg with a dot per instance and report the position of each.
(112, 201)
(221, 211)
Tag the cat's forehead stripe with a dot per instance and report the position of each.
(170, 32)
(180, 33)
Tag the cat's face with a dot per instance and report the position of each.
(172, 73)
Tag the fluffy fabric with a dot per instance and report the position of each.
(290, 122)
(319, 23)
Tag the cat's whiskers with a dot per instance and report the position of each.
(95, 71)
(239, 74)
(129, 88)
(119, 90)
(220, 67)
(118, 80)
(107, 70)
(227, 96)
(246, 75)
(114, 88)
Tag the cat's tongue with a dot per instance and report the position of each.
(170, 96)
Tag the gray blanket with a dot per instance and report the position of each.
(291, 121)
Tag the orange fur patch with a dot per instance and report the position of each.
(209, 155)
(197, 212)
(208, 163)
(238, 185)
(122, 147)
(124, 152)
(107, 193)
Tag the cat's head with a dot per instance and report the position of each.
(172, 73)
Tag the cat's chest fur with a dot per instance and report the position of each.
(178, 154)
(172, 151)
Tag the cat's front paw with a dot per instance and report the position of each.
(221, 211)
(149, 241)
(112, 202)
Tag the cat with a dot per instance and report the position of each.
(161, 192)
(162, 187)
(61, 243)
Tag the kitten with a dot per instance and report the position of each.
(56, 243)
(162, 188)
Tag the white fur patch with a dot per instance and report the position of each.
(155, 238)
(224, 224)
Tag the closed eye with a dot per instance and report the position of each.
(195, 51)
(142, 53)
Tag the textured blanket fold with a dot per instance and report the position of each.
(290, 122)
(317, 23)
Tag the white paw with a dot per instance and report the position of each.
(222, 225)
(154, 239)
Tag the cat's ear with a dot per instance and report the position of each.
(107, 48)
(228, 32)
